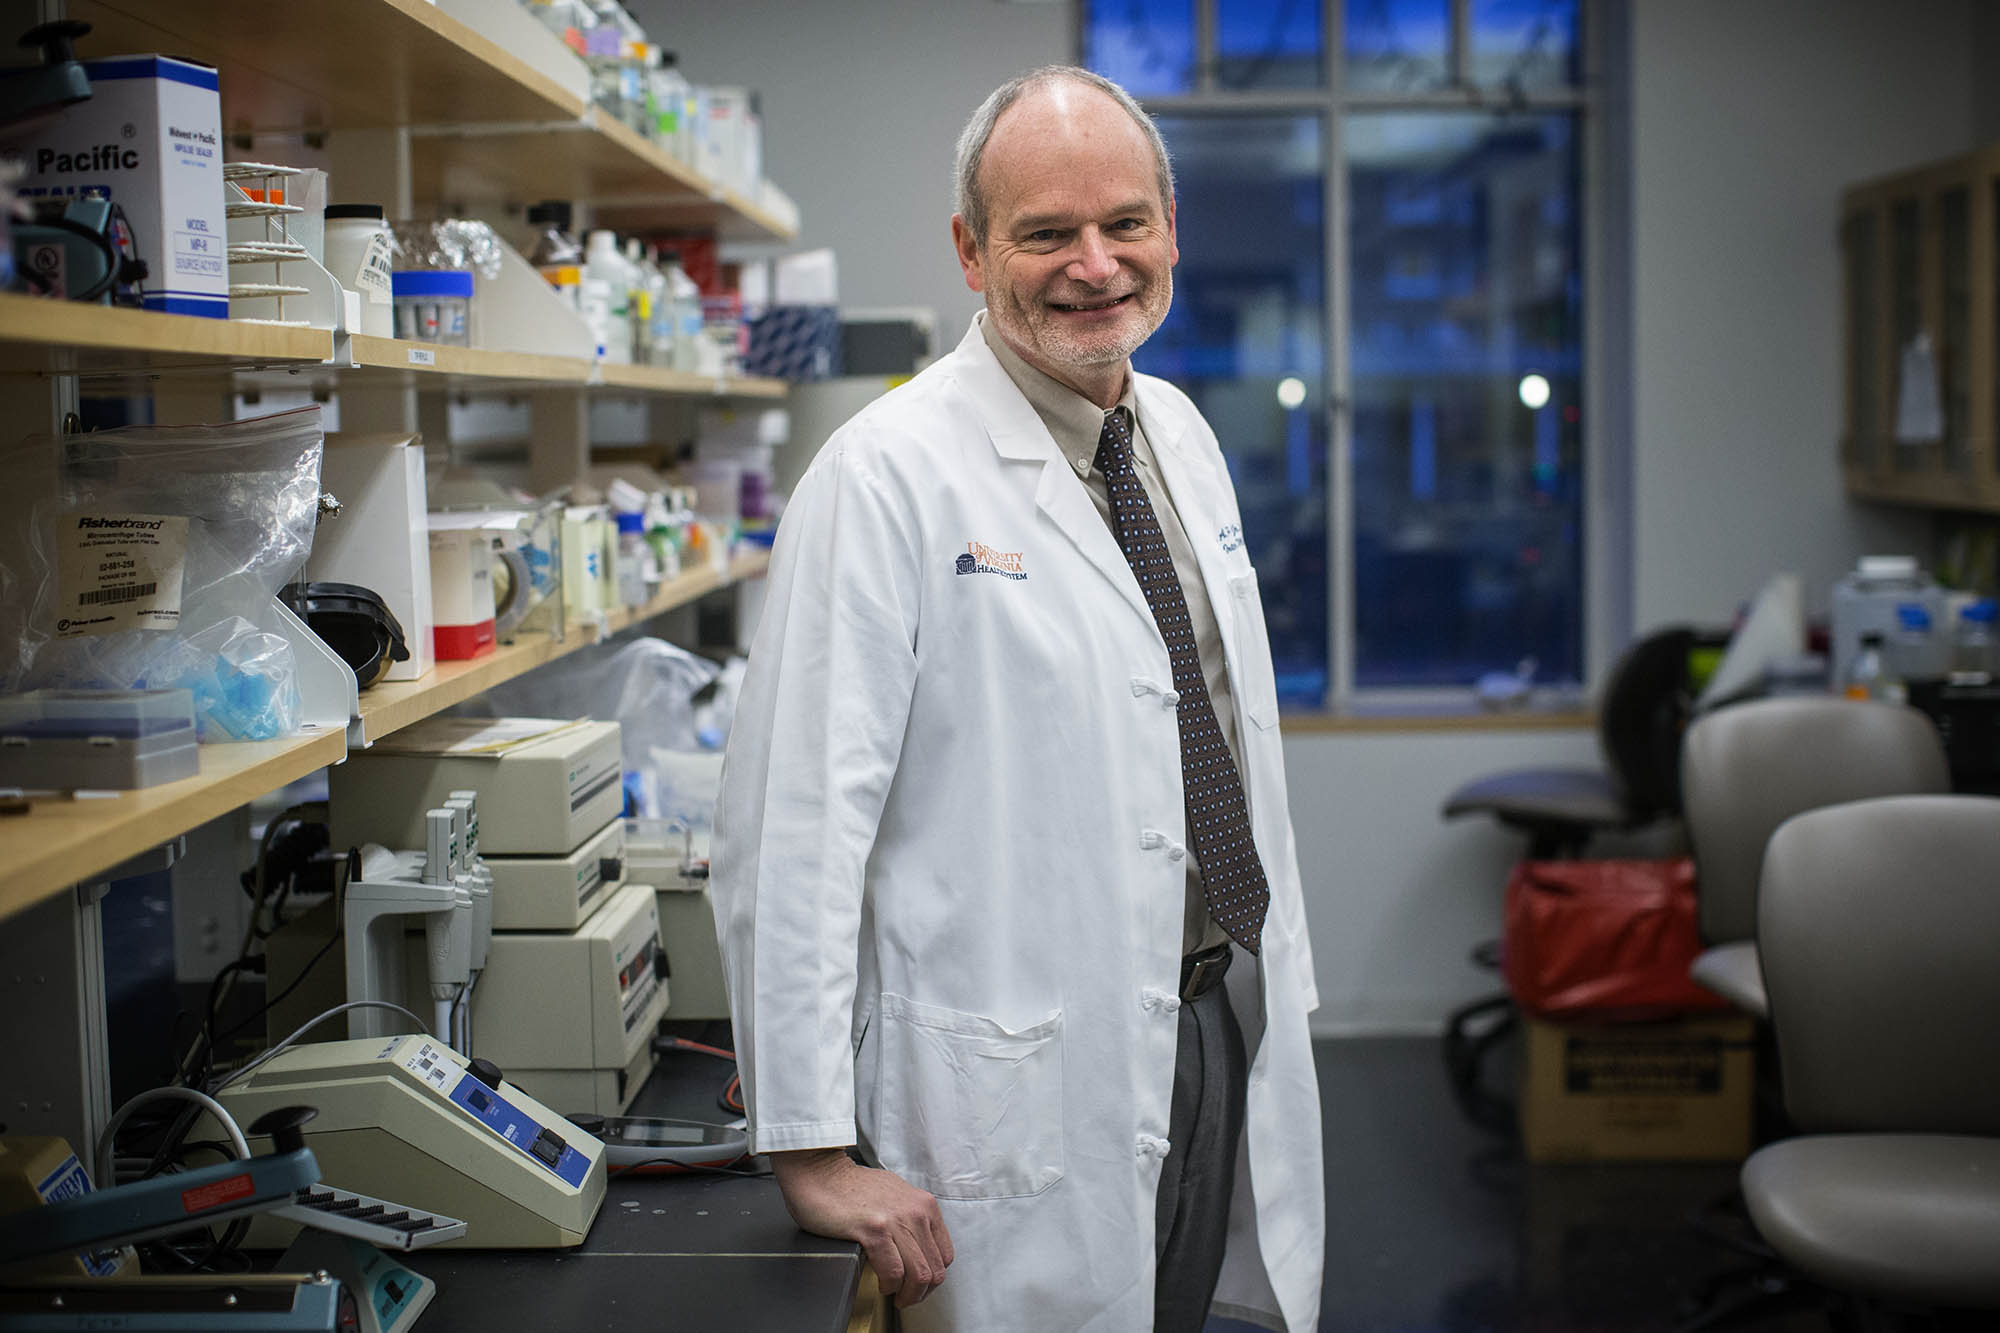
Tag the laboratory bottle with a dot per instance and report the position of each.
(1973, 646)
(648, 287)
(1913, 651)
(633, 557)
(556, 255)
(1867, 677)
(660, 295)
(611, 319)
(672, 95)
(687, 314)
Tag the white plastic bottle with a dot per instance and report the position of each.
(687, 314)
(634, 557)
(608, 308)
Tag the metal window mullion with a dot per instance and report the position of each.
(1461, 43)
(1206, 57)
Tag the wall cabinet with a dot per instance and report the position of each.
(1922, 326)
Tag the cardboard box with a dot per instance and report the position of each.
(150, 140)
(1638, 1092)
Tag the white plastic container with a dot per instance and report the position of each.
(360, 256)
(607, 297)
(1865, 601)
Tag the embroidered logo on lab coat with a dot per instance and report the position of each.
(1231, 538)
(982, 559)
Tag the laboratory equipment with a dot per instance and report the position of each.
(118, 739)
(545, 786)
(409, 1118)
(557, 892)
(391, 887)
(387, 1297)
(640, 1143)
(571, 1014)
(353, 621)
(675, 863)
(237, 1303)
(37, 1169)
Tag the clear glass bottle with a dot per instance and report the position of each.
(1913, 651)
(1867, 676)
(1973, 646)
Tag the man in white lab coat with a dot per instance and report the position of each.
(1005, 801)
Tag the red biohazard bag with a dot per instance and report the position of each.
(1603, 938)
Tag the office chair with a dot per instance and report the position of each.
(1748, 768)
(1878, 922)
(1646, 704)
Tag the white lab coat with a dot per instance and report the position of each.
(948, 860)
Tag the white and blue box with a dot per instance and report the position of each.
(150, 140)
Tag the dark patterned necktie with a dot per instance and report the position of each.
(1218, 818)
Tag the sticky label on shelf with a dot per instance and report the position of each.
(423, 356)
(118, 571)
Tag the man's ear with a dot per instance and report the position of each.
(969, 259)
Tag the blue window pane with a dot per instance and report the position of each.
(1528, 44)
(1465, 354)
(1246, 340)
(1397, 45)
(1145, 46)
(1268, 44)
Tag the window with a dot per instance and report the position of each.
(1406, 436)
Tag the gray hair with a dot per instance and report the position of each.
(971, 200)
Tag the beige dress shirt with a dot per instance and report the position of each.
(1076, 423)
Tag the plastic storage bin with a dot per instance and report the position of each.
(109, 739)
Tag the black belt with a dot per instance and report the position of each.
(1203, 972)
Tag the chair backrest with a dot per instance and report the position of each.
(1747, 768)
(1879, 934)
(1644, 710)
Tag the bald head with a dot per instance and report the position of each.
(1061, 99)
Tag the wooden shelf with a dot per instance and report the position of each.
(60, 842)
(658, 379)
(485, 126)
(64, 842)
(40, 337)
(372, 64)
(393, 705)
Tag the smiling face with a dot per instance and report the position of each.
(1077, 263)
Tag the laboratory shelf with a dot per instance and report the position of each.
(632, 183)
(393, 705)
(42, 337)
(400, 363)
(374, 64)
(60, 842)
(64, 841)
(484, 125)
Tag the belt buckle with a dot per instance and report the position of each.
(1199, 974)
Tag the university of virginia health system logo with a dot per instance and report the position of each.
(982, 559)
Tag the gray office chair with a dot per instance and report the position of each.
(1748, 768)
(1878, 923)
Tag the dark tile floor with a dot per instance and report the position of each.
(1435, 1226)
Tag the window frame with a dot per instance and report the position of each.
(1604, 188)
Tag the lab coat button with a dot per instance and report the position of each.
(1176, 853)
(1170, 698)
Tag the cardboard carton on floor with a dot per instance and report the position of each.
(1637, 1092)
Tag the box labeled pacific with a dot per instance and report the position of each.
(149, 139)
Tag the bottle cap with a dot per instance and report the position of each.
(335, 212)
(1913, 616)
(632, 523)
(1983, 612)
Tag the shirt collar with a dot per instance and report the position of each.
(1072, 419)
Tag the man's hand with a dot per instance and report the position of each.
(895, 1223)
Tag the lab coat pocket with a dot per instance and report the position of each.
(1255, 683)
(969, 1108)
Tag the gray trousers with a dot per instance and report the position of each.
(1211, 1074)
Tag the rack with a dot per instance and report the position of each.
(63, 842)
